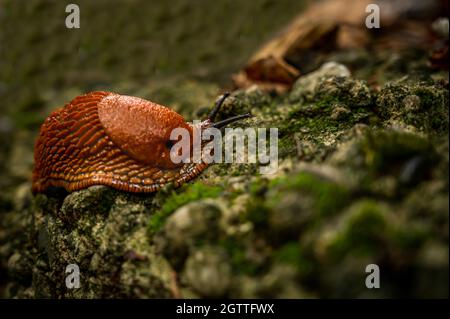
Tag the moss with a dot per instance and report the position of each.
(293, 253)
(389, 163)
(257, 213)
(289, 253)
(427, 207)
(409, 237)
(256, 210)
(317, 119)
(315, 127)
(372, 229)
(96, 200)
(177, 199)
(238, 257)
(361, 231)
(384, 149)
(344, 90)
(406, 158)
(429, 113)
(275, 215)
(328, 196)
(259, 187)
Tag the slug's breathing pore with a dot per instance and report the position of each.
(103, 138)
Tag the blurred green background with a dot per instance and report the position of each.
(124, 45)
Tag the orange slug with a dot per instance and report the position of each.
(103, 138)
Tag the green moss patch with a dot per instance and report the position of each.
(179, 198)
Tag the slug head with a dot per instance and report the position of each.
(142, 129)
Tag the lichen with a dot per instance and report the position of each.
(423, 105)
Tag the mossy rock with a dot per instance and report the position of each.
(423, 105)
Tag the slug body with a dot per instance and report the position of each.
(104, 138)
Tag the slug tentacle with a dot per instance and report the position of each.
(217, 107)
(231, 120)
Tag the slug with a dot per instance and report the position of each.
(104, 138)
